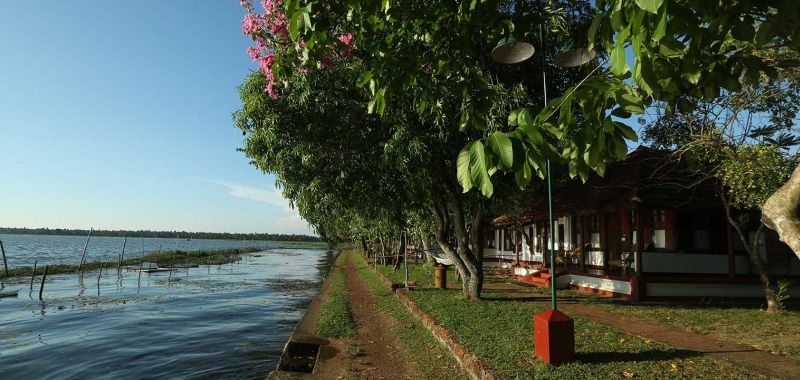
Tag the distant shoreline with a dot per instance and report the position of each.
(161, 234)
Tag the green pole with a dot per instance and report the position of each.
(551, 233)
(552, 240)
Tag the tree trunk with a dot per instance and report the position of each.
(401, 251)
(468, 261)
(780, 212)
(426, 247)
(751, 247)
(364, 247)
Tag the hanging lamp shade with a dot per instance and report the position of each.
(573, 57)
(510, 51)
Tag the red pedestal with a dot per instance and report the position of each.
(554, 337)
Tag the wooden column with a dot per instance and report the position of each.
(604, 239)
(731, 257)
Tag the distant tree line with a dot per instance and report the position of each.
(160, 234)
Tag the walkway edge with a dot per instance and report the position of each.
(478, 368)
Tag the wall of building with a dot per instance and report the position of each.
(695, 263)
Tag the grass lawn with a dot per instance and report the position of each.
(335, 320)
(500, 329)
(776, 333)
(420, 349)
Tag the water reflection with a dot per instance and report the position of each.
(228, 321)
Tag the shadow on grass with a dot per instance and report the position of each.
(643, 356)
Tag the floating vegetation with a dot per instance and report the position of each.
(198, 257)
(292, 285)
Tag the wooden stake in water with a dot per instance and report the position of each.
(172, 266)
(98, 277)
(83, 256)
(44, 278)
(122, 256)
(141, 262)
(5, 263)
(33, 275)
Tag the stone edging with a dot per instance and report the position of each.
(475, 366)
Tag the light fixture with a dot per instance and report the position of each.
(573, 57)
(510, 51)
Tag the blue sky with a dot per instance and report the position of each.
(118, 115)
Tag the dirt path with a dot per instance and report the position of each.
(380, 358)
(775, 366)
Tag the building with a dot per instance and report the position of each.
(651, 227)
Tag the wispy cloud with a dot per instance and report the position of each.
(271, 197)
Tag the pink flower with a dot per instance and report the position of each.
(270, 89)
(326, 63)
(347, 39)
(254, 53)
(271, 6)
(302, 70)
(265, 62)
(251, 24)
(278, 25)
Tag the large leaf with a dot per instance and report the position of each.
(501, 146)
(462, 168)
(649, 5)
(523, 175)
(661, 29)
(479, 172)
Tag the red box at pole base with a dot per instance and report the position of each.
(554, 337)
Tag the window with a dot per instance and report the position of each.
(489, 239)
(659, 228)
(594, 228)
(702, 239)
(508, 242)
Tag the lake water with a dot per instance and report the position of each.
(211, 322)
(22, 250)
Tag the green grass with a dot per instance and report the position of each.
(427, 356)
(421, 273)
(500, 330)
(752, 326)
(202, 257)
(335, 320)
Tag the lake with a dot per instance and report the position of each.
(212, 322)
(22, 250)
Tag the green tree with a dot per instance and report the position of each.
(430, 77)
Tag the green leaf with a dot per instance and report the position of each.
(523, 175)
(692, 76)
(500, 144)
(649, 5)
(463, 170)
(513, 116)
(479, 172)
(618, 66)
(618, 60)
(593, 32)
(532, 131)
(661, 29)
(364, 78)
(525, 118)
(627, 131)
(671, 48)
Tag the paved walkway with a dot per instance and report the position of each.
(776, 366)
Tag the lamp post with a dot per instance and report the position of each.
(554, 332)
